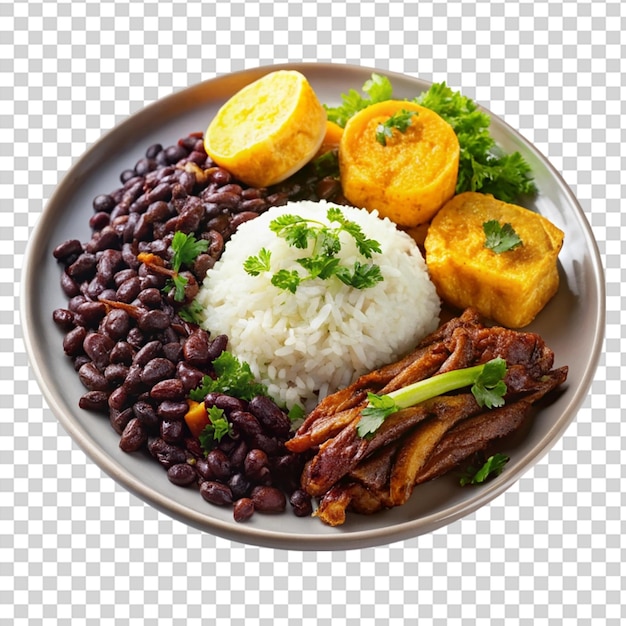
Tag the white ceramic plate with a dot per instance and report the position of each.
(572, 325)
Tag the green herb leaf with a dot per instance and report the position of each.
(377, 411)
(232, 376)
(362, 275)
(287, 280)
(327, 164)
(482, 165)
(491, 468)
(500, 237)
(489, 387)
(215, 431)
(255, 265)
(378, 89)
(186, 248)
(178, 283)
(399, 121)
(192, 312)
(296, 412)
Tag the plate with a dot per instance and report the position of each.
(572, 325)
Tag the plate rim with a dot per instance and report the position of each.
(270, 538)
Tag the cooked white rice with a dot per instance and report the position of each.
(306, 345)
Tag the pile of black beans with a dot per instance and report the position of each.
(139, 358)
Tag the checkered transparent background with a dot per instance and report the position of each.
(77, 549)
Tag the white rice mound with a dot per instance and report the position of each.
(307, 345)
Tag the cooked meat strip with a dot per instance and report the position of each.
(476, 433)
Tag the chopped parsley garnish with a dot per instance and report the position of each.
(219, 427)
(322, 262)
(399, 121)
(492, 467)
(232, 376)
(500, 237)
(185, 249)
(486, 381)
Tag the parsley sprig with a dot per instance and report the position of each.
(401, 120)
(322, 261)
(232, 376)
(486, 381)
(213, 432)
(185, 249)
(500, 237)
(492, 467)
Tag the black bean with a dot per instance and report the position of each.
(243, 509)
(217, 346)
(103, 202)
(136, 338)
(157, 369)
(116, 373)
(239, 485)
(238, 454)
(109, 262)
(95, 288)
(181, 474)
(146, 413)
(153, 320)
(134, 436)
(119, 399)
(83, 267)
(169, 389)
(116, 324)
(172, 411)
(119, 419)
(122, 352)
(173, 351)
(256, 466)
(246, 423)
(158, 212)
(216, 493)
(301, 503)
(92, 377)
(165, 453)
(153, 150)
(63, 318)
(99, 220)
(90, 313)
(149, 351)
(94, 401)
(175, 153)
(73, 341)
(203, 470)
(240, 218)
(224, 199)
(191, 377)
(133, 384)
(268, 499)
(70, 287)
(172, 432)
(106, 238)
(219, 464)
(270, 415)
(129, 290)
(227, 403)
(70, 248)
(124, 275)
(196, 348)
(97, 347)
